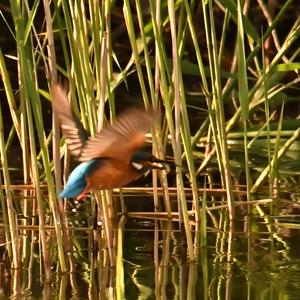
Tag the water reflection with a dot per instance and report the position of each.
(255, 258)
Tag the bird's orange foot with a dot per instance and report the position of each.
(82, 195)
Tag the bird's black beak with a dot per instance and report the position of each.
(159, 164)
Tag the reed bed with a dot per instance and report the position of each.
(206, 67)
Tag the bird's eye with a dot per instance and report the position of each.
(137, 165)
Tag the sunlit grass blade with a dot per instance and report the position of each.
(281, 152)
(12, 220)
(243, 89)
(179, 110)
(120, 284)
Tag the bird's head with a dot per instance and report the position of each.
(144, 161)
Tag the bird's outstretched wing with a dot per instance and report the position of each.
(121, 139)
(75, 135)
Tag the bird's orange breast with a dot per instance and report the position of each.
(111, 174)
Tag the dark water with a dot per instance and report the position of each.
(257, 259)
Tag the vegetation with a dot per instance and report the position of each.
(223, 73)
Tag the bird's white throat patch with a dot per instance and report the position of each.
(137, 165)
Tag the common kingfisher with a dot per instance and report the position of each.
(113, 157)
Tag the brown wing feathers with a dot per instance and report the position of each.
(122, 138)
(119, 140)
(75, 135)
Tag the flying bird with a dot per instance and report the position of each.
(112, 158)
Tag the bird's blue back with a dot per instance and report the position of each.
(77, 180)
